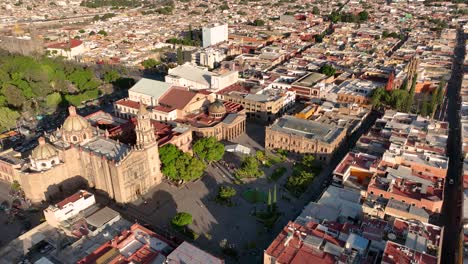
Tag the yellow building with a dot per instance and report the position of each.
(77, 154)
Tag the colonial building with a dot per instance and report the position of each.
(263, 104)
(304, 136)
(80, 154)
(183, 108)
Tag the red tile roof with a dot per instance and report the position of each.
(289, 248)
(128, 103)
(143, 255)
(73, 43)
(398, 254)
(73, 198)
(177, 97)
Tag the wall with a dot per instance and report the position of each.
(294, 143)
(214, 35)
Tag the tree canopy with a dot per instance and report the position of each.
(111, 76)
(315, 10)
(150, 63)
(327, 70)
(249, 168)
(226, 192)
(349, 17)
(39, 85)
(303, 174)
(180, 166)
(181, 220)
(208, 149)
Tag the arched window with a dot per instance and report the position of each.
(74, 139)
(84, 136)
(52, 162)
(43, 165)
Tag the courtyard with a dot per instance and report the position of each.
(214, 221)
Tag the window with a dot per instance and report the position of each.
(52, 162)
(84, 136)
(43, 165)
(74, 139)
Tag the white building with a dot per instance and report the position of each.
(68, 208)
(208, 57)
(148, 91)
(198, 78)
(68, 49)
(214, 34)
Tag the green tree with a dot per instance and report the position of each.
(269, 203)
(335, 16)
(327, 70)
(194, 169)
(258, 22)
(8, 118)
(179, 166)
(377, 97)
(181, 220)
(363, 15)
(274, 196)
(53, 99)
(440, 92)
(260, 155)
(224, 6)
(111, 76)
(150, 63)
(209, 149)
(308, 161)
(102, 32)
(249, 168)
(180, 56)
(425, 108)
(13, 95)
(315, 10)
(15, 186)
(226, 192)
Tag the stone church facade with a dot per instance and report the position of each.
(78, 153)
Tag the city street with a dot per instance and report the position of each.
(453, 202)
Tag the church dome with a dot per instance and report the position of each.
(75, 122)
(217, 108)
(43, 151)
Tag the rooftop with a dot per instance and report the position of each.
(399, 254)
(109, 148)
(361, 161)
(192, 73)
(150, 87)
(137, 245)
(187, 253)
(177, 98)
(307, 128)
(73, 198)
(309, 80)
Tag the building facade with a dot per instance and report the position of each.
(304, 136)
(78, 154)
(214, 34)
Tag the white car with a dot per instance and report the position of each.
(451, 181)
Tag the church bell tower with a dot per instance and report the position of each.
(144, 130)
